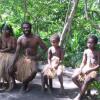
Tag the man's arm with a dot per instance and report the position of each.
(43, 46)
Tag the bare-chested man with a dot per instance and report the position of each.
(26, 66)
(89, 67)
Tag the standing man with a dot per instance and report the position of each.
(26, 65)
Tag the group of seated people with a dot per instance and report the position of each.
(19, 60)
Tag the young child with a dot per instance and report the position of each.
(88, 68)
(54, 67)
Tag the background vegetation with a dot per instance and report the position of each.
(50, 16)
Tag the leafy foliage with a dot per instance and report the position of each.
(48, 17)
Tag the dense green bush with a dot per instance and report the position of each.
(48, 17)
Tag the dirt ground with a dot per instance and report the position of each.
(36, 94)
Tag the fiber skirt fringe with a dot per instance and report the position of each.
(25, 67)
(6, 60)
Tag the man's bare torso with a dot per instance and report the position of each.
(30, 42)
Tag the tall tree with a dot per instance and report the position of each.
(67, 25)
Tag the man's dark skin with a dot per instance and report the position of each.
(24, 42)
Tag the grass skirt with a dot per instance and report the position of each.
(52, 70)
(25, 67)
(6, 60)
(92, 75)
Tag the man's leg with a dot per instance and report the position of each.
(26, 81)
(43, 82)
(44, 79)
(11, 80)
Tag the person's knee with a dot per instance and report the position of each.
(32, 76)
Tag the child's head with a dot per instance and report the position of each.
(54, 39)
(92, 41)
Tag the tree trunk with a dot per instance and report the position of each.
(67, 25)
(86, 10)
(68, 11)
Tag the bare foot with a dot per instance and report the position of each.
(11, 86)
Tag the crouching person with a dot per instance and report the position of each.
(54, 66)
(26, 63)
